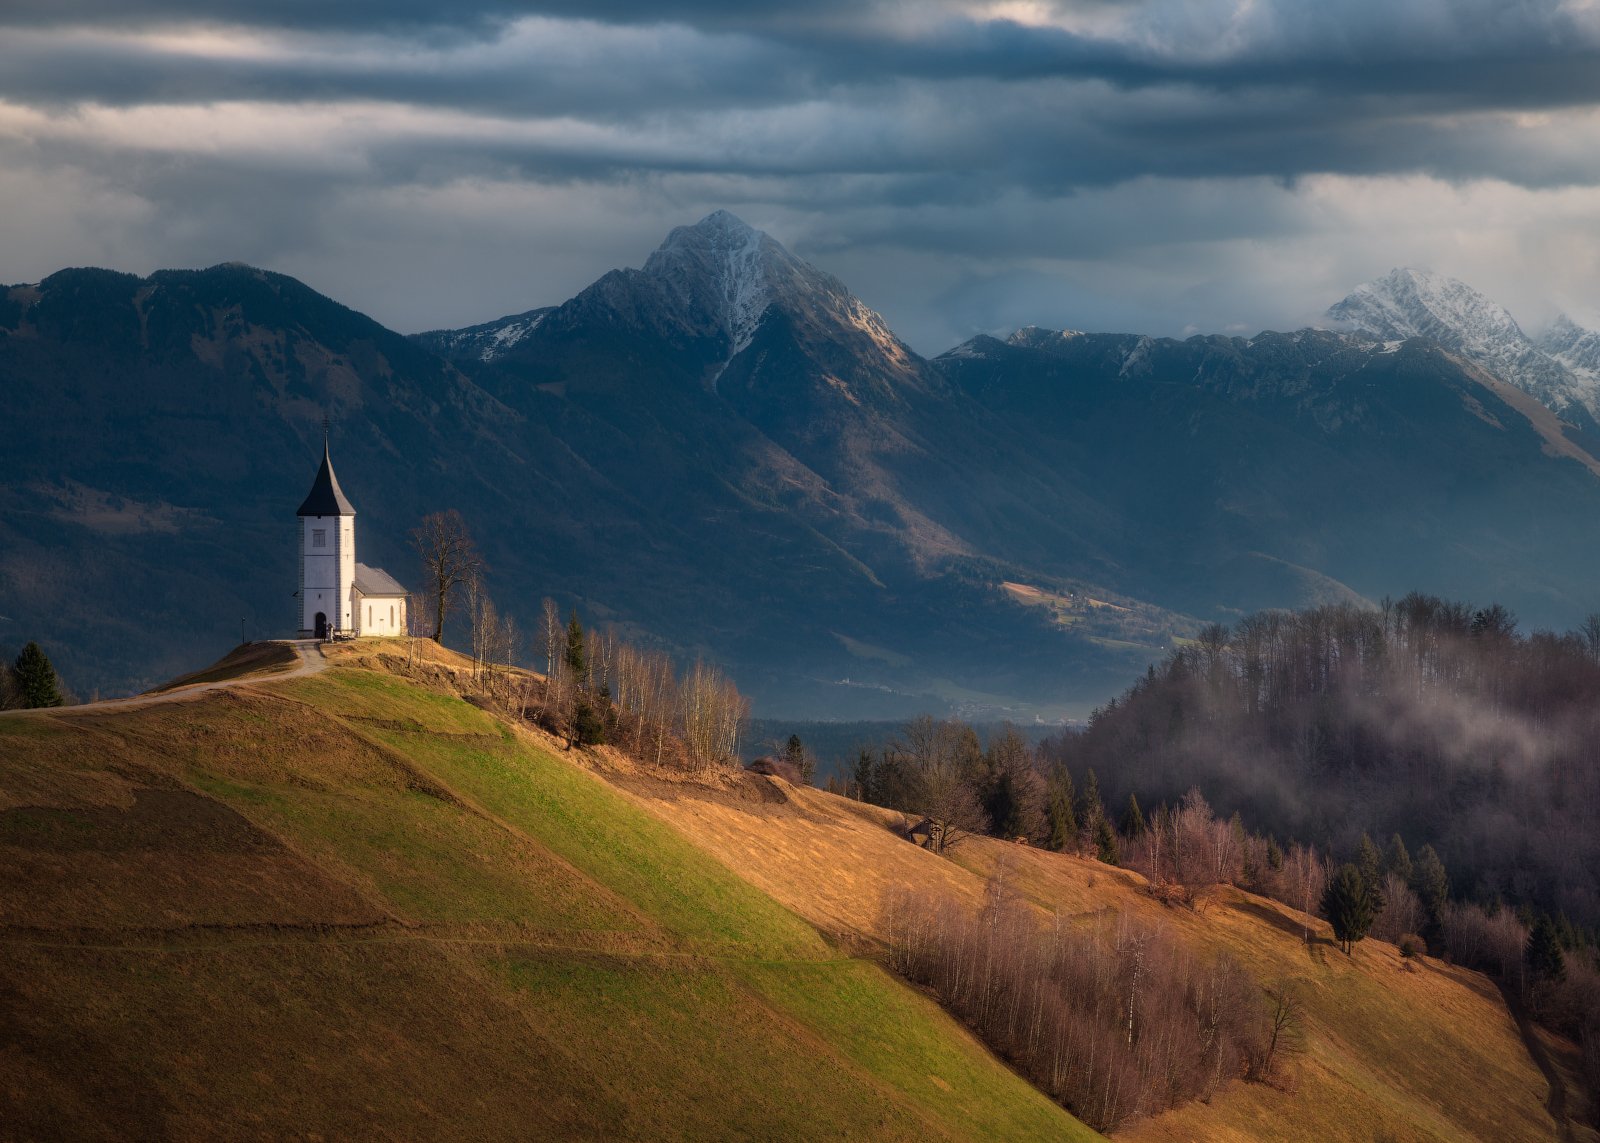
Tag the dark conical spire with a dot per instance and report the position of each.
(326, 498)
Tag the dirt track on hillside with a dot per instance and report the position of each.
(307, 650)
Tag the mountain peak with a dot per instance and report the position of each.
(1410, 302)
(1413, 302)
(725, 268)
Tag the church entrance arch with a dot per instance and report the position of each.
(322, 625)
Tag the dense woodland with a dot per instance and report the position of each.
(1424, 718)
(1467, 749)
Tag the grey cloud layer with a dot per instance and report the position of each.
(935, 129)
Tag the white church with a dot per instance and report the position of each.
(339, 596)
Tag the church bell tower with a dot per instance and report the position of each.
(327, 556)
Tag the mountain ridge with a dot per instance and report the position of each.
(730, 424)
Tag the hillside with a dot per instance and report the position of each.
(344, 904)
(349, 902)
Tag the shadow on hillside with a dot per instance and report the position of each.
(1279, 921)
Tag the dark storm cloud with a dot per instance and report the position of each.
(944, 130)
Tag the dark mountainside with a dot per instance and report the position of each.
(727, 453)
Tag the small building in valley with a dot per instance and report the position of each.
(340, 596)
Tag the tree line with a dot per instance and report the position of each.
(942, 773)
(596, 688)
(1422, 717)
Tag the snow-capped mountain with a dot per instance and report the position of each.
(1572, 345)
(1559, 369)
(484, 342)
(729, 276)
(728, 294)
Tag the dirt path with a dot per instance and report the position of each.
(308, 651)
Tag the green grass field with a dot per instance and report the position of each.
(346, 906)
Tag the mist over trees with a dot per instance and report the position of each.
(1424, 718)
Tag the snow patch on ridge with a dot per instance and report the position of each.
(1412, 303)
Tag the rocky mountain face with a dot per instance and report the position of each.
(726, 453)
(1559, 368)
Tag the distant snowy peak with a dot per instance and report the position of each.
(484, 342)
(1038, 337)
(726, 275)
(1411, 303)
(1571, 344)
(1419, 303)
(724, 269)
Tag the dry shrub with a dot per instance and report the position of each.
(1116, 1021)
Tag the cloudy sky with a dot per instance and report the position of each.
(1155, 165)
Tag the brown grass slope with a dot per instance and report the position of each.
(347, 905)
(1396, 1052)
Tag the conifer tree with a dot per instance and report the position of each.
(1105, 842)
(796, 754)
(1432, 887)
(1542, 954)
(1397, 860)
(1093, 808)
(1061, 817)
(1133, 824)
(863, 777)
(36, 681)
(576, 658)
(588, 725)
(1348, 905)
(1274, 855)
(1370, 862)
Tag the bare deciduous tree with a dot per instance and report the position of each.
(552, 634)
(450, 561)
(712, 712)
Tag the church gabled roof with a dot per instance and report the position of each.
(376, 581)
(326, 498)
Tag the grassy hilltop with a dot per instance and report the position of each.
(353, 904)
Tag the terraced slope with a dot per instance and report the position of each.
(345, 905)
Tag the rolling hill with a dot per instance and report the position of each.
(348, 902)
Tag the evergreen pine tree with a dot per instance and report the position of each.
(1093, 808)
(1133, 825)
(1370, 862)
(863, 778)
(796, 754)
(1105, 842)
(1274, 855)
(1062, 820)
(576, 658)
(1432, 887)
(1542, 955)
(1397, 860)
(1349, 907)
(588, 725)
(36, 681)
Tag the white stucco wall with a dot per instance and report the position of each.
(327, 573)
(382, 615)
